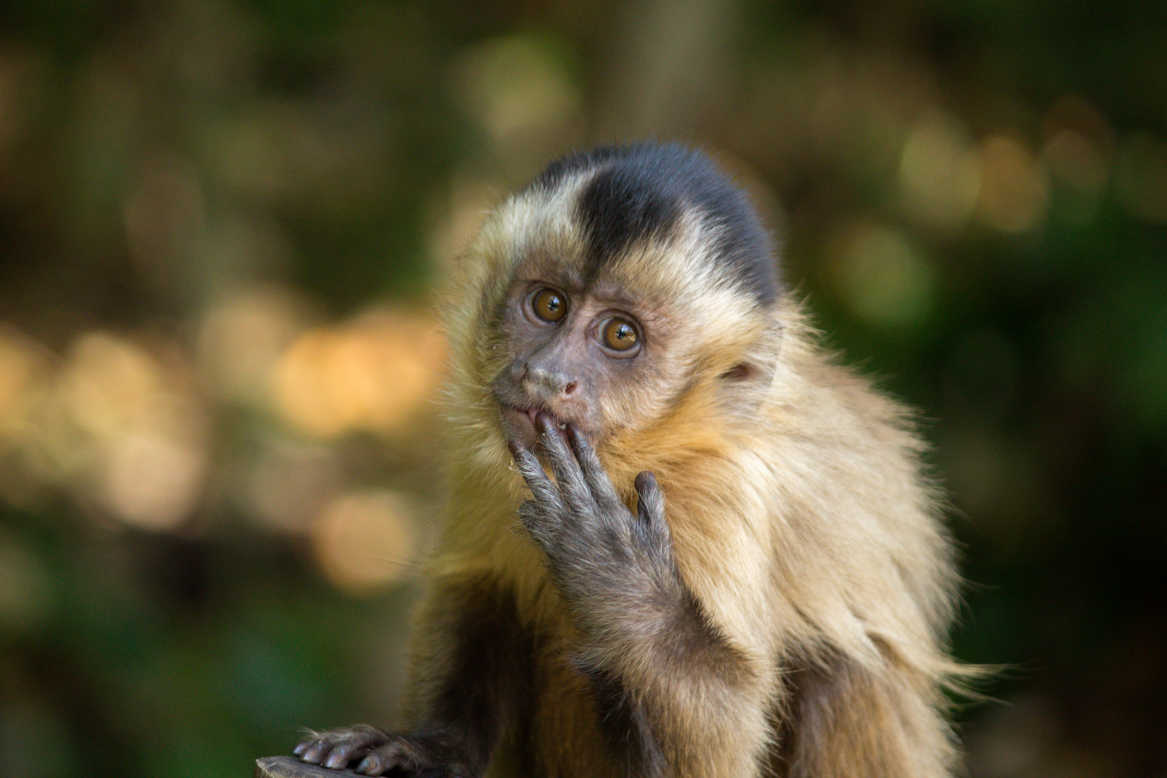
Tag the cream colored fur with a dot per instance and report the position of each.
(800, 518)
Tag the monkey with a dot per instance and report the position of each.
(682, 540)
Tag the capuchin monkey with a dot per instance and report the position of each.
(681, 540)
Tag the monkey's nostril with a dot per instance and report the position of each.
(569, 388)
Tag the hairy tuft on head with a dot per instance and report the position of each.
(639, 192)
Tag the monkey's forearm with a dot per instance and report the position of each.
(674, 694)
(470, 664)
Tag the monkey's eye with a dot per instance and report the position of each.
(619, 334)
(549, 305)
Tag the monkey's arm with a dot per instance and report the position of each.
(676, 697)
(470, 672)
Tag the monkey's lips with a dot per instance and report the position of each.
(520, 424)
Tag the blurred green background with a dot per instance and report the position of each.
(221, 223)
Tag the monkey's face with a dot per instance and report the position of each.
(620, 351)
(629, 293)
(584, 352)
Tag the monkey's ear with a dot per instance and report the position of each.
(757, 365)
(742, 371)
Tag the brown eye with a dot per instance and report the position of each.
(549, 305)
(619, 334)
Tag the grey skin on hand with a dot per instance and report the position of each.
(376, 752)
(595, 546)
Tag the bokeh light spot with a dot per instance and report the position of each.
(879, 275)
(1014, 186)
(241, 339)
(365, 540)
(516, 88)
(140, 446)
(373, 373)
(939, 173)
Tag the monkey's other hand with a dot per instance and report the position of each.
(378, 753)
(598, 550)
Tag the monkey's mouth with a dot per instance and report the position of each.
(520, 424)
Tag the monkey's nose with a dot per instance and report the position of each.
(548, 385)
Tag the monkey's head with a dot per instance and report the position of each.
(624, 291)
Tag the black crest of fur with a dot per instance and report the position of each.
(640, 191)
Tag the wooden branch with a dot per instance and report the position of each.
(291, 767)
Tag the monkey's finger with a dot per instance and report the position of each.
(571, 481)
(541, 525)
(336, 748)
(537, 481)
(311, 750)
(310, 737)
(383, 759)
(651, 502)
(593, 471)
(343, 753)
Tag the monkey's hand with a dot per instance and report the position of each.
(647, 646)
(609, 563)
(432, 755)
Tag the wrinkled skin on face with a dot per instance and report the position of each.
(569, 348)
